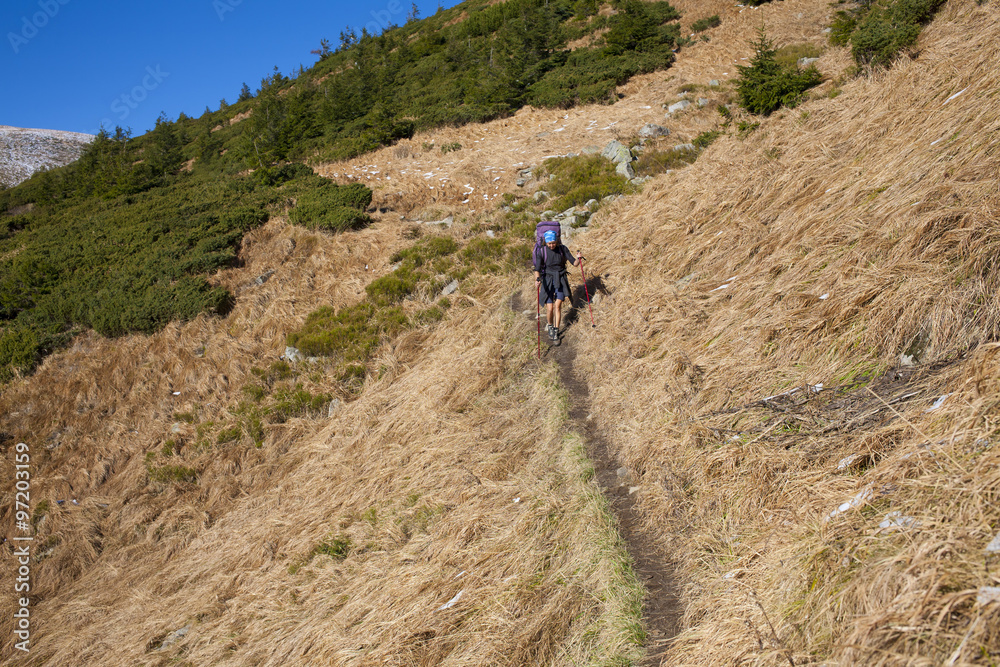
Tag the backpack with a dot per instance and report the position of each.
(540, 229)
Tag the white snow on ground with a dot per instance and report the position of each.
(25, 151)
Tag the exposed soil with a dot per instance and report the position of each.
(661, 608)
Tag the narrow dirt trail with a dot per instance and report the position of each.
(661, 606)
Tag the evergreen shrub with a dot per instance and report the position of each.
(765, 86)
(706, 23)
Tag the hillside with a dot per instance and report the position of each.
(24, 152)
(776, 446)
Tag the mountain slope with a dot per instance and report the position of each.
(444, 514)
(24, 152)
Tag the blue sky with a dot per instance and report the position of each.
(75, 64)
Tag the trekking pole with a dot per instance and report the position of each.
(587, 291)
(538, 316)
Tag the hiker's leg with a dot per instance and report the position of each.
(548, 312)
(558, 314)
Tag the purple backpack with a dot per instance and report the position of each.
(540, 229)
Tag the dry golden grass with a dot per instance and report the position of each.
(844, 231)
(847, 231)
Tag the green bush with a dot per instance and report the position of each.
(393, 287)
(175, 474)
(765, 86)
(350, 334)
(879, 31)
(337, 547)
(705, 139)
(706, 23)
(333, 208)
(296, 402)
(582, 178)
(19, 351)
(889, 27)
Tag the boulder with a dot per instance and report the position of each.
(678, 106)
(652, 130)
(625, 169)
(617, 152)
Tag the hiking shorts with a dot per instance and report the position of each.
(553, 290)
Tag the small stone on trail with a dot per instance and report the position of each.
(450, 288)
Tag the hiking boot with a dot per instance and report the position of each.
(555, 333)
(548, 330)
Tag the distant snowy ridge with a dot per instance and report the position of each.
(26, 151)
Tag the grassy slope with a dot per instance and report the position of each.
(853, 228)
(420, 473)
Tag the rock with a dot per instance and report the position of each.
(447, 222)
(548, 214)
(988, 594)
(994, 546)
(685, 147)
(293, 354)
(907, 360)
(714, 83)
(806, 62)
(702, 101)
(175, 428)
(523, 176)
(591, 150)
(623, 475)
(174, 637)
(450, 288)
(591, 205)
(540, 195)
(652, 130)
(263, 278)
(199, 351)
(625, 169)
(334, 406)
(568, 222)
(640, 180)
(616, 152)
(678, 106)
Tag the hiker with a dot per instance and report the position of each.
(550, 274)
